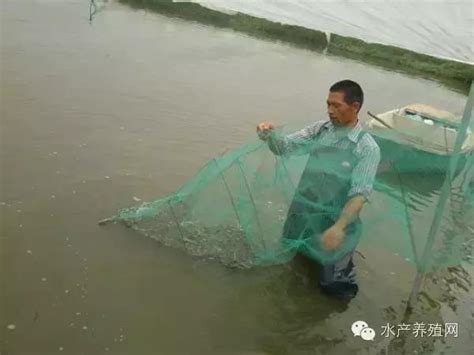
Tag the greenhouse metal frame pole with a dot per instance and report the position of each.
(445, 191)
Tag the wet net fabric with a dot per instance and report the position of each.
(236, 208)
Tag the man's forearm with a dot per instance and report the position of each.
(350, 211)
(277, 144)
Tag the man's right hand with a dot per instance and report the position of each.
(264, 129)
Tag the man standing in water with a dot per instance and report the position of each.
(334, 186)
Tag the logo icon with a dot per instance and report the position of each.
(361, 328)
(367, 334)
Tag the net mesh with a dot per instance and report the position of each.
(259, 206)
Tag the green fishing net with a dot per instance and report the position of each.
(257, 206)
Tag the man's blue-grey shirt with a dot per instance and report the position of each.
(363, 146)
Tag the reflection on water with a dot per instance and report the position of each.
(420, 193)
(95, 118)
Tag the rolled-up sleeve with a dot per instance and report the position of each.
(295, 143)
(363, 174)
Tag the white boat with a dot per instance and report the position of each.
(419, 137)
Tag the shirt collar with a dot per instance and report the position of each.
(353, 134)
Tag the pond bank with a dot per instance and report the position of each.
(455, 75)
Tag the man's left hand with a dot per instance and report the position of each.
(333, 237)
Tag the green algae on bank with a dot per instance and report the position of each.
(453, 74)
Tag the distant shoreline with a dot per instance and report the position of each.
(453, 74)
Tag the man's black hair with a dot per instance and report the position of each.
(352, 91)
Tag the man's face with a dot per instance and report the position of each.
(340, 112)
